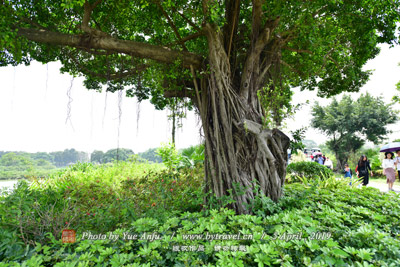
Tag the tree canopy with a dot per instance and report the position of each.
(235, 61)
(149, 46)
(351, 123)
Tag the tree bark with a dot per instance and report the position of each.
(137, 49)
(239, 150)
(340, 162)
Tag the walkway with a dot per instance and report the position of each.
(383, 187)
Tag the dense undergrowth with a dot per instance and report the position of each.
(339, 225)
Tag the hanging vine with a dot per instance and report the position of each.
(137, 117)
(105, 108)
(13, 92)
(69, 103)
(47, 80)
(119, 119)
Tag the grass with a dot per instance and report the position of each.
(376, 179)
(108, 174)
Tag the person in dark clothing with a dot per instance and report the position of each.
(362, 169)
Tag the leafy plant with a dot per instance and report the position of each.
(339, 226)
(306, 169)
(192, 156)
(296, 144)
(169, 155)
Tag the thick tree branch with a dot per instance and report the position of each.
(188, 38)
(253, 59)
(86, 18)
(263, 74)
(232, 18)
(136, 49)
(256, 19)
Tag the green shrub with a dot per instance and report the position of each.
(306, 169)
(169, 155)
(340, 227)
(160, 193)
(359, 227)
(192, 156)
(376, 163)
(35, 213)
(100, 198)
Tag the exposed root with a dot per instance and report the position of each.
(238, 149)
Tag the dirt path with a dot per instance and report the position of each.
(383, 187)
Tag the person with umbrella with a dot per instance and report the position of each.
(362, 169)
(388, 166)
(395, 146)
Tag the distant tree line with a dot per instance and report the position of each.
(57, 158)
(71, 156)
(123, 154)
(111, 155)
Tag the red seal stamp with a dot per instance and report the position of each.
(68, 236)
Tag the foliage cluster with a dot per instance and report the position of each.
(359, 227)
(307, 169)
(173, 159)
(115, 154)
(193, 156)
(350, 123)
(100, 198)
(19, 165)
(150, 155)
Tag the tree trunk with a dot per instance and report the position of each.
(238, 149)
(340, 162)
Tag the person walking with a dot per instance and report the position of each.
(328, 163)
(388, 166)
(362, 169)
(320, 160)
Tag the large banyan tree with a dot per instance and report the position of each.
(234, 61)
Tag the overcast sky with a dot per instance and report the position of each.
(34, 110)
